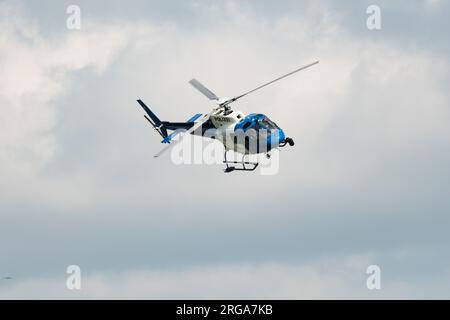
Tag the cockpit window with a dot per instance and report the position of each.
(267, 123)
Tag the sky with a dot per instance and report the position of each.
(367, 182)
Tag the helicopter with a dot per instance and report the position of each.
(260, 134)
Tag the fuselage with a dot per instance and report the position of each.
(246, 134)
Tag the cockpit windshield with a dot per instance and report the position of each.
(268, 124)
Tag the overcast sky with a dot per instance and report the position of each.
(367, 182)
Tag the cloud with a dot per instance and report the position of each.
(343, 280)
(434, 3)
(79, 184)
(37, 73)
(351, 108)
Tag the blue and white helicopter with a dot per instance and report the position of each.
(224, 121)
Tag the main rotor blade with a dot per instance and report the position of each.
(208, 93)
(192, 129)
(266, 84)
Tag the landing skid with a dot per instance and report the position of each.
(242, 163)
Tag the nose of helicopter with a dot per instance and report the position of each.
(281, 136)
(275, 138)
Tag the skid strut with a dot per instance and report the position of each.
(251, 165)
